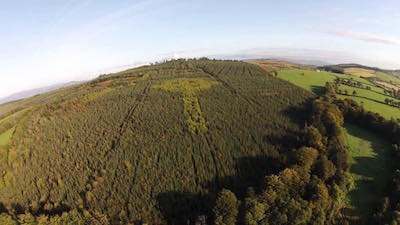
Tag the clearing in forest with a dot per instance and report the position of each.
(189, 87)
(308, 79)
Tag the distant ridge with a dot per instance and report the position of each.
(305, 62)
(29, 93)
(395, 72)
(347, 65)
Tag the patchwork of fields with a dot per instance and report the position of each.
(314, 81)
(360, 72)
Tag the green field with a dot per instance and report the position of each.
(384, 110)
(364, 82)
(359, 79)
(365, 93)
(370, 156)
(308, 79)
(5, 138)
(314, 81)
(359, 72)
(371, 168)
(387, 77)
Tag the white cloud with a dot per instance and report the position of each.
(366, 37)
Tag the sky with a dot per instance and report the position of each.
(45, 42)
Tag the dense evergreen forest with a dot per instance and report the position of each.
(183, 142)
(149, 145)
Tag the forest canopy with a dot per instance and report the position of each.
(180, 142)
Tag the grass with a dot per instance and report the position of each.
(366, 93)
(359, 72)
(189, 87)
(384, 110)
(387, 77)
(371, 167)
(5, 138)
(315, 82)
(308, 79)
(359, 79)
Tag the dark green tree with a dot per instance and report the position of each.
(226, 208)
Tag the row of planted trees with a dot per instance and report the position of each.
(309, 187)
(348, 82)
(65, 143)
(312, 188)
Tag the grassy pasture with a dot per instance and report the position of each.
(358, 79)
(371, 167)
(308, 79)
(386, 111)
(387, 78)
(314, 81)
(359, 72)
(366, 93)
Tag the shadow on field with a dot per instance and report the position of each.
(372, 173)
(318, 90)
(185, 207)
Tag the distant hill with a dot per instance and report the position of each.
(293, 62)
(388, 78)
(348, 65)
(308, 62)
(354, 65)
(391, 72)
(36, 91)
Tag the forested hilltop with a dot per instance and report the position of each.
(180, 142)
